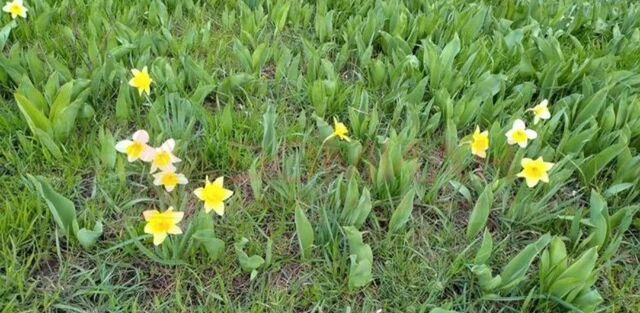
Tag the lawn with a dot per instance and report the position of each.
(320, 156)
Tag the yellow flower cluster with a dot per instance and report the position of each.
(533, 171)
(162, 160)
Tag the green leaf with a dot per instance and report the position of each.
(62, 101)
(480, 214)
(213, 246)
(248, 263)
(304, 231)
(592, 106)
(107, 154)
(402, 213)
(123, 107)
(35, 118)
(485, 279)
(28, 90)
(255, 179)
(47, 141)
(576, 275)
(5, 32)
(516, 270)
(269, 141)
(596, 164)
(88, 238)
(62, 209)
(440, 310)
(484, 252)
(361, 257)
(364, 208)
(598, 216)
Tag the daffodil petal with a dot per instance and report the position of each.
(159, 238)
(226, 193)
(141, 136)
(198, 192)
(218, 207)
(148, 154)
(531, 134)
(175, 230)
(123, 145)
(169, 145)
(149, 214)
(545, 178)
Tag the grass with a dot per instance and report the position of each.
(247, 89)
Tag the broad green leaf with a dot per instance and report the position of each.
(516, 270)
(35, 118)
(484, 252)
(62, 209)
(28, 90)
(65, 119)
(598, 216)
(5, 32)
(485, 279)
(361, 258)
(576, 275)
(62, 101)
(304, 232)
(269, 140)
(440, 310)
(364, 208)
(480, 214)
(214, 246)
(88, 238)
(47, 141)
(597, 163)
(401, 215)
(248, 263)
(255, 179)
(123, 105)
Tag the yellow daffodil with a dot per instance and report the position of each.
(213, 194)
(160, 224)
(141, 80)
(541, 112)
(136, 148)
(480, 143)
(169, 179)
(340, 131)
(519, 134)
(534, 171)
(15, 8)
(163, 158)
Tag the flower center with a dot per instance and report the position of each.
(162, 223)
(15, 9)
(534, 171)
(170, 179)
(538, 110)
(135, 149)
(519, 136)
(213, 193)
(142, 80)
(163, 159)
(480, 143)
